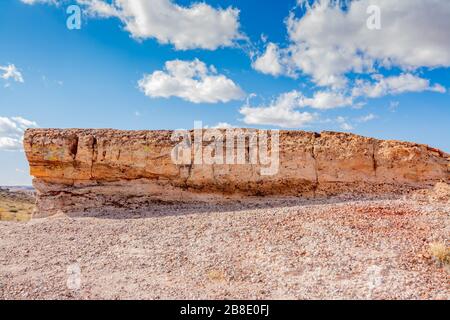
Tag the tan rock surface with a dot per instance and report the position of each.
(77, 170)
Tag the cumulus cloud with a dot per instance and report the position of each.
(367, 118)
(344, 124)
(379, 86)
(284, 110)
(11, 72)
(269, 62)
(327, 42)
(327, 100)
(193, 81)
(394, 85)
(185, 27)
(11, 132)
(195, 26)
(221, 125)
(281, 112)
(100, 8)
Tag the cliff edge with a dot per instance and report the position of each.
(79, 170)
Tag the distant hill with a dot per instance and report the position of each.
(18, 188)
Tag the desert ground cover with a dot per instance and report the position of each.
(340, 248)
(16, 205)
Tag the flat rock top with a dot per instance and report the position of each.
(55, 133)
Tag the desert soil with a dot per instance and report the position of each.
(16, 205)
(274, 249)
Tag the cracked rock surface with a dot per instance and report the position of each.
(79, 170)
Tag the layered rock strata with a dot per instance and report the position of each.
(82, 170)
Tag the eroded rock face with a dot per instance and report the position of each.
(77, 170)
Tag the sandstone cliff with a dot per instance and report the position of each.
(79, 169)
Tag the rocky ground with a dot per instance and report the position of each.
(274, 249)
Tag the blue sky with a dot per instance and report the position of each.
(276, 64)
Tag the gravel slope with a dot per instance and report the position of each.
(283, 249)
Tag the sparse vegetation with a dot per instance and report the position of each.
(15, 206)
(441, 253)
(216, 275)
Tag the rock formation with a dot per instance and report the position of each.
(79, 170)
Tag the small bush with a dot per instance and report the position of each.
(440, 252)
(216, 275)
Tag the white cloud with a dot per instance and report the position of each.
(280, 112)
(394, 85)
(367, 118)
(328, 42)
(10, 144)
(283, 111)
(100, 8)
(11, 132)
(7, 125)
(196, 26)
(23, 124)
(327, 100)
(269, 62)
(192, 81)
(11, 72)
(343, 124)
(221, 125)
(346, 126)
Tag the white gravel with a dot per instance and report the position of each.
(284, 249)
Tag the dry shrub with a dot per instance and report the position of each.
(216, 275)
(441, 253)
